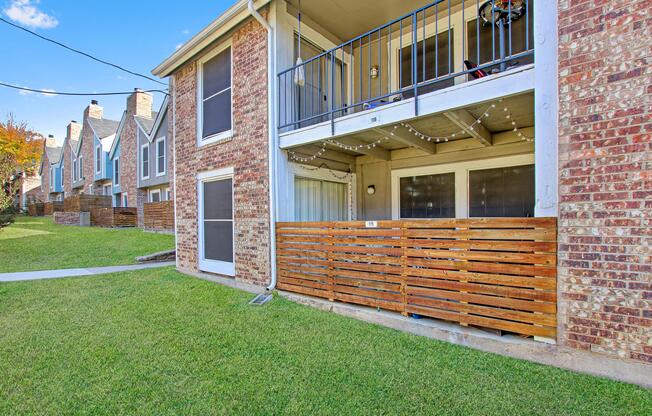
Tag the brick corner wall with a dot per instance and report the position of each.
(605, 152)
(246, 152)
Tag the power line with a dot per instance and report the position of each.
(47, 92)
(80, 52)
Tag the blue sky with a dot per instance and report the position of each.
(137, 35)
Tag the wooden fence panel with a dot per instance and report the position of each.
(86, 203)
(497, 273)
(114, 217)
(158, 215)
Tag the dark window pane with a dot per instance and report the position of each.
(218, 200)
(217, 73)
(436, 65)
(161, 156)
(217, 114)
(491, 33)
(502, 192)
(218, 240)
(156, 197)
(428, 196)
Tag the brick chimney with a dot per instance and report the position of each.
(93, 110)
(73, 129)
(51, 141)
(139, 103)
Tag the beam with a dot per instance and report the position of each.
(375, 152)
(465, 120)
(327, 154)
(404, 136)
(510, 136)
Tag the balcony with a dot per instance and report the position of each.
(403, 68)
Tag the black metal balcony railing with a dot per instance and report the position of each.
(409, 56)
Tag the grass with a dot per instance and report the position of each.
(39, 244)
(158, 342)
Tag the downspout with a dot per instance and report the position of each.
(271, 94)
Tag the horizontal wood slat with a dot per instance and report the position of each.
(86, 203)
(498, 273)
(158, 215)
(114, 217)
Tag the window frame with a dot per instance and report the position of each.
(142, 161)
(153, 192)
(157, 141)
(125, 200)
(203, 141)
(309, 172)
(98, 149)
(116, 172)
(74, 170)
(80, 166)
(207, 265)
(461, 170)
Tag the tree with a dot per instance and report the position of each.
(20, 154)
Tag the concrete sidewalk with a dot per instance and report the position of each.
(55, 274)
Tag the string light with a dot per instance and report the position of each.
(330, 170)
(436, 139)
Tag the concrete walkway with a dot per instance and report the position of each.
(55, 274)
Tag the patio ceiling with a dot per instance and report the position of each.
(494, 129)
(347, 19)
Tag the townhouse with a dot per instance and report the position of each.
(140, 155)
(50, 171)
(418, 119)
(70, 142)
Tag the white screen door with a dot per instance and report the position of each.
(216, 224)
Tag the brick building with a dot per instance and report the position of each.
(372, 126)
(50, 171)
(73, 131)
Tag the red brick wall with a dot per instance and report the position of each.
(67, 169)
(605, 154)
(246, 152)
(45, 176)
(138, 103)
(87, 150)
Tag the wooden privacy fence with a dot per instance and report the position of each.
(158, 215)
(114, 217)
(36, 209)
(86, 203)
(497, 273)
(51, 207)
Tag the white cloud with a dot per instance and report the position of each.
(25, 92)
(46, 90)
(178, 46)
(185, 32)
(26, 12)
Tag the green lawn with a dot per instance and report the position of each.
(158, 342)
(39, 244)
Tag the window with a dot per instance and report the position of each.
(216, 222)
(428, 196)
(320, 200)
(168, 194)
(160, 156)
(81, 168)
(117, 200)
(155, 195)
(438, 63)
(214, 107)
(502, 192)
(51, 178)
(116, 172)
(125, 200)
(144, 161)
(74, 170)
(107, 189)
(98, 159)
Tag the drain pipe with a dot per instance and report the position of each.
(271, 94)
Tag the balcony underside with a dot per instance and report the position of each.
(454, 129)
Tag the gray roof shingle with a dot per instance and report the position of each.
(103, 127)
(53, 153)
(147, 123)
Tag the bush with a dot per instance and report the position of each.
(7, 215)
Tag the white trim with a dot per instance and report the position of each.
(167, 194)
(116, 172)
(203, 141)
(142, 148)
(98, 159)
(213, 266)
(161, 139)
(306, 171)
(151, 193)
(461, 170)
(125, 199)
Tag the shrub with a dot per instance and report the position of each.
(7, 215)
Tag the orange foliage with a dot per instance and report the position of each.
(19, 146)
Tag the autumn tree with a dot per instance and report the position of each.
(20, 154)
